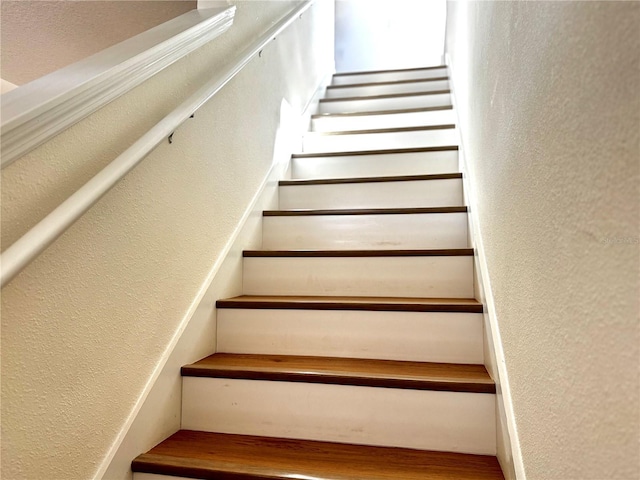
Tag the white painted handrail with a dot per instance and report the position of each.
(15, 258)
(34, 113)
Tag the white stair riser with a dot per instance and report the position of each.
(447, 421)
(368, 90)
(360, 232)
(375, 165)
(403, 194)
(388, 76)
(441, 337)
(445, 277)
(394, 103)
(319, 142)
(389, 120)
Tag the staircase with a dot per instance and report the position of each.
(356, 351)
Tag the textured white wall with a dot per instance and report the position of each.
(41, 36)
(382, 35)
(548, 96)
(85, 325)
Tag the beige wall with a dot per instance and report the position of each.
(41, 36)
(87, 323)
(549, 103)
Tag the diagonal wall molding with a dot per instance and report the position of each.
(39, 110)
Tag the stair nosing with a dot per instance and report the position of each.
(152, 464)
(371, 72)
(376, 305)
(446, 126)
(448, 252)
(382, 97)
(363, 211)
(381, 179)
(326, 373)
(445, 148)
(394, 82)
(332, 379)
(221, 456)
(382, 112)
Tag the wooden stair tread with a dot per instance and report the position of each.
(421, 128)
(386, 95)
(439, 252)
(392, 304)
(393, 178)
(377, 152)
(365, 72)
(362, 211)
(390, 82)
(345, 371)
(382, 112)
(219, 456)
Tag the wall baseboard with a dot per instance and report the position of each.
(157, 413)
(509, 453)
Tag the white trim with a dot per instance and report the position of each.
(476, 235)
(39, 110)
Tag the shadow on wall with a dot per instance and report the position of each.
(376, 34)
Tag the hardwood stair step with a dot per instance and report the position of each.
(382, 112)
(388, 178)
(380, 138)
(407, 117)
(462, 422)
(371, 162)
(380, 304)
(420, 273)
(390, 82)
(384, 130)
(359, 102)
(362, 211)
(387, 151)
(204, 455)
(400, 117)
(388, 75)
(386, 96)
(438, 337)
(345, 371)
(377, 192)
(365, 88)
(442, 252)
(297, 226)
(397, 70)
